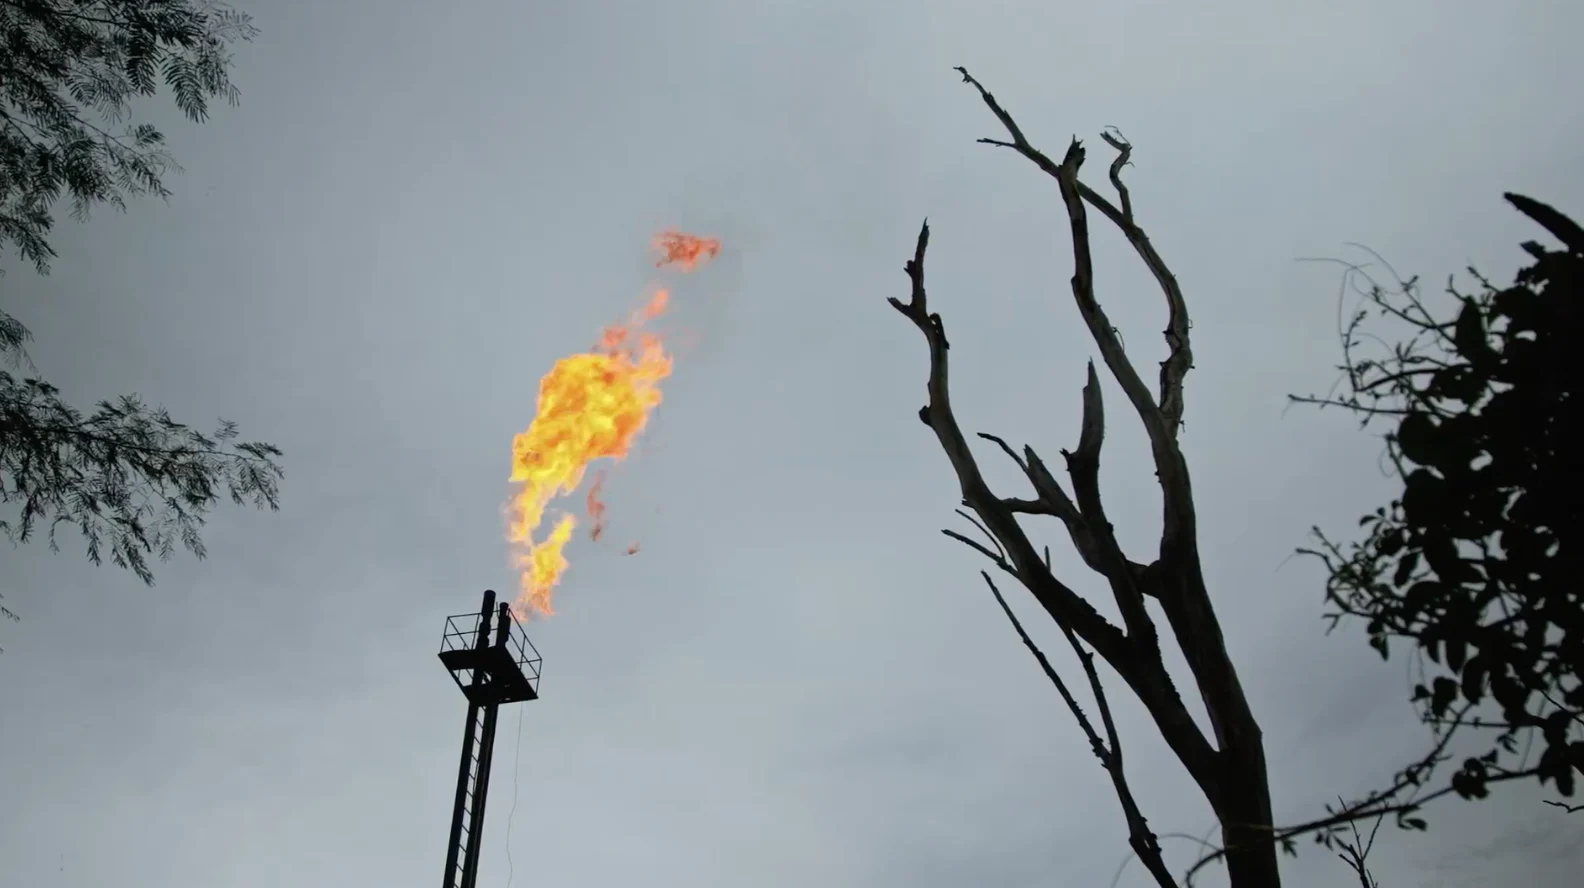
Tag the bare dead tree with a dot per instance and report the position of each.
(1229, 766)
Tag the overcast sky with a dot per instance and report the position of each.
(419, 207)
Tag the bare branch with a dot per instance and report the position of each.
(1169, 466)
(1380, 803)
(1140, 837)
(1045, 483)
(1011, 454)
(1096, 744)
(1092, 433)
(1052, 501)
(1124, 150)
(1083, 465)
(1027, 506)
(1187, 606)
(980, 548)
(1234, 780)
(1355, 814)
(1108, 751)
(984, 530)
(1356, 853)
(1063, 604)
(1144, 673)
(1180, 355)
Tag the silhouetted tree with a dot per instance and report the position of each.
(1476, 563)
(1228, 765)
(68, 70)
(131, 480)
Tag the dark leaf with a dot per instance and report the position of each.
(1564, 229)
(1378, 642)
(1441, 553)
(1469, 785)
(1468, 334)
(1406, 565)
(1392, 541)
(1554, 728)
(1554, 766)
(1416, 436)
(1474, 679)
(1509, 694)
(1457, 383)
(1422, 594)
(1424, 499)
(1442, 692)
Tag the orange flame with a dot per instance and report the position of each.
(596, 507)
(591, 406)
(684, 250)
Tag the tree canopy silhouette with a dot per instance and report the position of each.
(131, 480)
(1475, 565)
(68, 71)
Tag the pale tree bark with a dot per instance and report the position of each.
(1229, 765)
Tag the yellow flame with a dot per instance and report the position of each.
(591, 406)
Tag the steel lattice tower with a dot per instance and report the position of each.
(489, 674)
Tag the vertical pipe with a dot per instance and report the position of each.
(482, 641)
(503, 625)
(464, 770)
(486, 763)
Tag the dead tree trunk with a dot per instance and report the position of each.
(1229, 767)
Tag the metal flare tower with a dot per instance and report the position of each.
(490, 672)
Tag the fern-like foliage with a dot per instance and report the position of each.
(132, 481)
(69, 70)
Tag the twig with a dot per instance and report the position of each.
(1051, 500)
(1356, 853)
(1108, 751)
(1370, 806)
(980, 548)
(986, 531)
(1358, 813)
(1128, 858)
(1124, 150)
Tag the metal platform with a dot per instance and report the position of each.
(491, 670)
(504, 679)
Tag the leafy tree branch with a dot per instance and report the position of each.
(132, 481)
